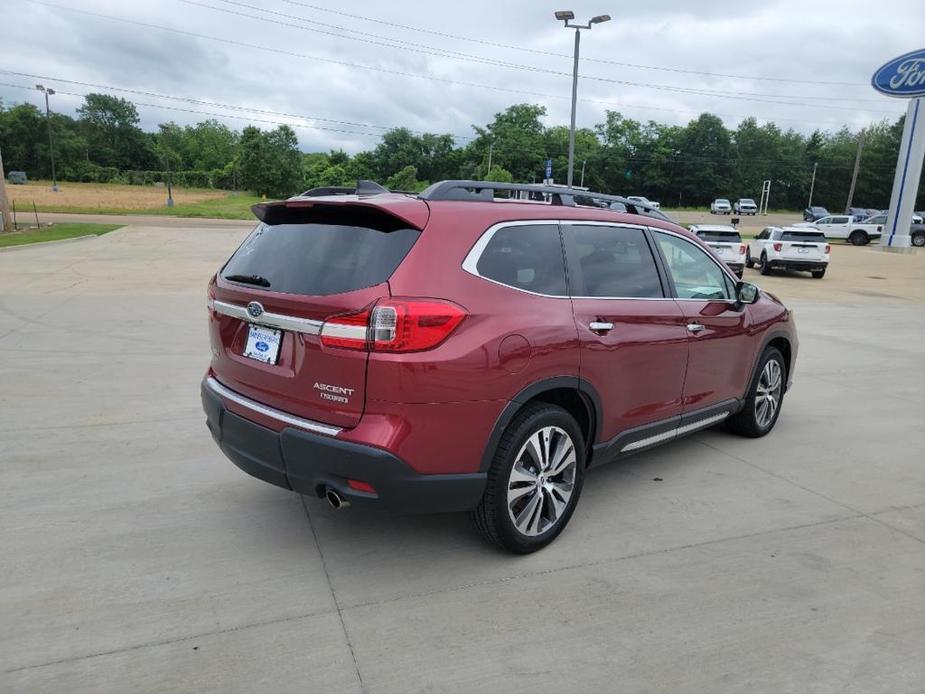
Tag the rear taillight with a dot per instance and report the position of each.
(778, 247)
(394, 325)
(742, 250)
(828, 248)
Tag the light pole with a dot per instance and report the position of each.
(51, 145)
(567, 16)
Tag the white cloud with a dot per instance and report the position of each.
(820, 40)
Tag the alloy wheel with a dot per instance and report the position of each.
(767, 397)
(542, 481)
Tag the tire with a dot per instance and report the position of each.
(504, 515)
(918, 240)
(858, 238)
(760, 413)
(763, 266)
(749, 263)
(818, 274)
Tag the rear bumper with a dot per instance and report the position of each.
(804, 265)
(306, 462)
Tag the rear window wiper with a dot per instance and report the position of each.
(249, 279)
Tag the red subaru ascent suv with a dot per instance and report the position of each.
(478, 347)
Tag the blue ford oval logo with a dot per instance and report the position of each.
(255, 309)
(903, 76)
(262, 346)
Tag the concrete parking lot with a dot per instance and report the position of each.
(136, 558)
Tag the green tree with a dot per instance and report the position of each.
(270, 162)
(110, 126)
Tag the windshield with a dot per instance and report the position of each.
(318, 259)
(747, 201)
(803, 236)
(720, 236)
(722, 201)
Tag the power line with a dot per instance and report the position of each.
(215, 104)
(537, 51)
(218, 115)
(397, 44)
(414, 75)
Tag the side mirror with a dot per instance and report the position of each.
(747, 293)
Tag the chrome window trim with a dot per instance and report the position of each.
(270, 320)
(470, 262)
(271, 412)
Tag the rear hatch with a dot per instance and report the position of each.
(727, 244)
(803, 245)
(307, 260)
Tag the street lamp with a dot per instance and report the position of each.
(51, 145)
(567, 16)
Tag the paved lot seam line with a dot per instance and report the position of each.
(340, 612)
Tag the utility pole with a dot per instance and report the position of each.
(51, 144)
(6, 222)
(567, 16)
(582, 184)
(854, 175)
(812, 185)
(491, 146)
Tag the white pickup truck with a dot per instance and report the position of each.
(842, 226)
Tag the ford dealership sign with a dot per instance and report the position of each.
(903, 76)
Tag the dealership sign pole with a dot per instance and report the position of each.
(904, 77)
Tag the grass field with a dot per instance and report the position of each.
(100, 198)
(55, 233)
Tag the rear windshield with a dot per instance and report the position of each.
(318, 259)
(720, 236)
(803, 236)
(747, 201)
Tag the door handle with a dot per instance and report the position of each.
(600, 326)
(695, 327)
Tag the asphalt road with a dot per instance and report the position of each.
(136, 558)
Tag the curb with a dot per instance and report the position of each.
(24, 246)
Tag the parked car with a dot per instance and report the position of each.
(858, 214)
(415, 353)
(745, 206)
(720, 206)
(917, 232)
(644, 201)
(725, 242)
(17, 177)
(789, 248)
(811, 214)
(842, 226)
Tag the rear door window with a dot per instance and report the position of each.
(525, 256)
(611, 261)
(319, 259)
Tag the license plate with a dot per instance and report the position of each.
(263, 344)
(802, 250)
(720, 249)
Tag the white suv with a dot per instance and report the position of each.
(745, 206)
(720, 206)
(726, 242)
(789, 248)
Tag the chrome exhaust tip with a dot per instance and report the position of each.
(335, 499)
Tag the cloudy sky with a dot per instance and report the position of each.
(341, 72)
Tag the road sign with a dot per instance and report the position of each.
(904, 77)
(549, 168)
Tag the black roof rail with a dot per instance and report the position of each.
(558, 195)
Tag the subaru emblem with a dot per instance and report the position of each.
(255, 309)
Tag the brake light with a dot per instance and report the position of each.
(347, 331)
(778, 247)
(742, 249)
(394, 325)
(828, 248)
